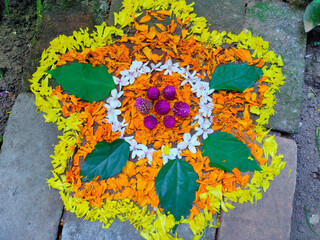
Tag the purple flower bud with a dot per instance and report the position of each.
(169, 121)
(150, 121)
(153, 93)
(169, 92)
(143, 105)
(181, 109)
(162, 107)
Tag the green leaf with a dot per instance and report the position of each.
(227, 152)
(84, 81)
(311, 16)
(235, 77)
(176, 187)
(106, 160)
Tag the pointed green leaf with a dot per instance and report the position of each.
(106, 160)
(311, 16)
(235, 77)
(226, 152)
(84, 81)
(176, 187)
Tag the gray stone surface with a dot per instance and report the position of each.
(115, 6)
(282, 25)
(186, 233)
(222, 15)
(78, 229)
(270, 218)
(28, 209)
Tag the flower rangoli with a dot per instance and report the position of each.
(161, 126)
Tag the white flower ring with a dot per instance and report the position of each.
(198, 87)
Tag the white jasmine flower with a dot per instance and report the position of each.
(146, 153)
(204, 127)
(206, 98)
(119, 126)
(200, 88)
(155, 67)
(120, 82)
(145, 68)
(135, 148)
(131, 74)
(173, 154)
(189, 142)
(128, 139)
(205, 122)
(205, 109)
(112, 112)
(190, 78)
(136, 66)
(128, 76)
(205, 132)
(199, 118)
(170, 67)
(184, 70)
(114, 98)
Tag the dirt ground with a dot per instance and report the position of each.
(16, 34)
(307, 195)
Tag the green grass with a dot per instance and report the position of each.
(317, 140)
(307, 219)
(39, 8)
(7, 7)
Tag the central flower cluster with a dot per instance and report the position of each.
(162, 107)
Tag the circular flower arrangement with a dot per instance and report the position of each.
(161, 118)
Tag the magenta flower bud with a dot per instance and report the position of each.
(169, 92)
(153, 93)
(162, 107)
(169, 121)
(150, 122)
(181, 109)
(143, 105)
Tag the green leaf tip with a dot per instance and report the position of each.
(84, 81)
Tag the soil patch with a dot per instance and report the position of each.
(307, 197)
(16, 34)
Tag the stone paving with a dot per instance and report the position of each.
(270, 218)
(228, 15)
(282, 25)
(30, 210)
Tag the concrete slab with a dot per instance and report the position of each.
(270, 218)
(115, 6)
(186, 233)
(222, 15)
(78, 229)
(231, 13)
(28, 209)
(282, 25)
(55, 22)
